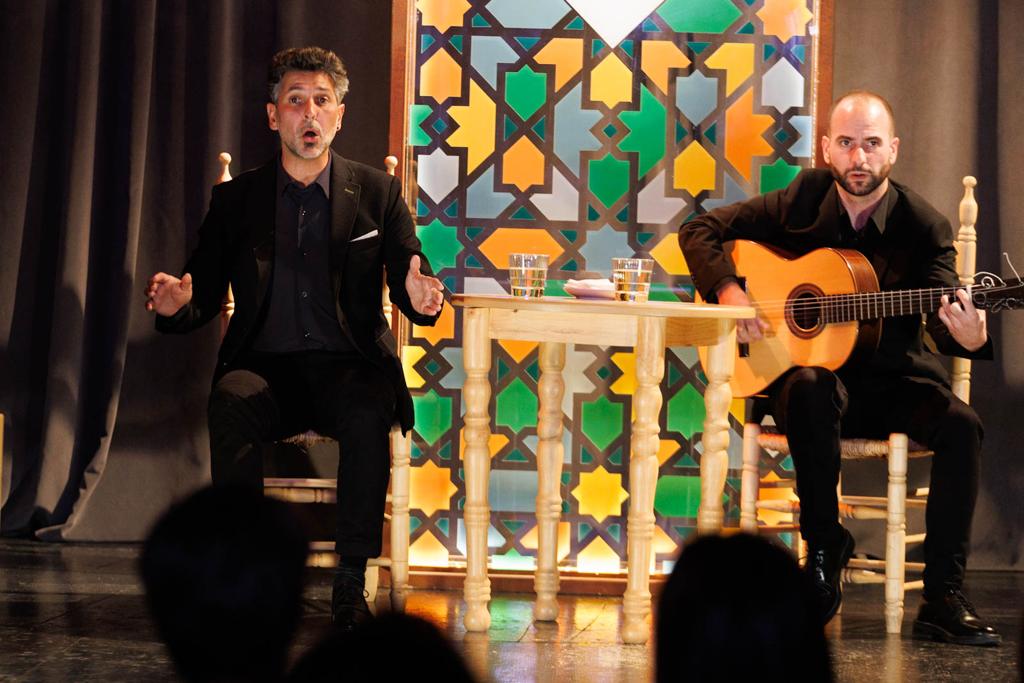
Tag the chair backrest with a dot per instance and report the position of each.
(966, 252)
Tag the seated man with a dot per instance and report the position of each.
(304, 241)
(902, 387)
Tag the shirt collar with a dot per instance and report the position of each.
(882, 211)
(323, 180)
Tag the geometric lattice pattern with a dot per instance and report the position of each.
(533, 133)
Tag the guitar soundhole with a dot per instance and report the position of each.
(804, 314)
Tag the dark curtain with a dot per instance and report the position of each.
(115, 113)
(951, 70)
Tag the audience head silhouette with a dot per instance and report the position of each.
(223, 572)
(739, 608)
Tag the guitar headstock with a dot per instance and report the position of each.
(992, 293)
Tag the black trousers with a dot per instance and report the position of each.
(341, 396)
(814, 406)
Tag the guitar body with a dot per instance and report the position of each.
(782, 290)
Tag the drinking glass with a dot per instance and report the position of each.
(632, 278)
(527, 274)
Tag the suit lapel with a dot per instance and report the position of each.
(344, 205)
(262, 218)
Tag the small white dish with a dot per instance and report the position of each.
(592, 288)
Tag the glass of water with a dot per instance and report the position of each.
(527, 274)
(632, 278)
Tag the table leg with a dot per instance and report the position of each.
(714, 461)
(476, 354)
(549, 474)
(643, 477)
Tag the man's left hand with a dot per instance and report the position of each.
(424, 291)
(965, 322)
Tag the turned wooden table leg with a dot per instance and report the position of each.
(549, 475)
(714, 461)
(643, 476)
(476, 393)
(401, 450)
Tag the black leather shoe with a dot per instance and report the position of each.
(348, 601)
(825, 565)
(953, 619)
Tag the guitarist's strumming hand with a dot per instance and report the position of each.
(747, 330)
(965, 322)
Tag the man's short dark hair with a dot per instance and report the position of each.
(223, 572)
(309, 58)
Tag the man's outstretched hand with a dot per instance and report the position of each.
(166, 294)
(424, 291)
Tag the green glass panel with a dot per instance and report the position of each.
(440, 244)
(525, 91)
(555, 288)
(662, 292)
(687, 461)
(442, 525)
(445, 453)
(473, 233)
(583, 531)
(540, 128)
(418, 113)
(712, 133)
(787, 464)
(516, 456)
(677, 496)
(456, 42)
(473, 262)
(623, 215)
(585, 457)
(603, 372)
(686, 411)
(516, 406)
(596, 47)
(569, 235)
(433, 415)
(432, 366)
(627, 47)
(565, 507)
(480, 22)
(417, 452)
(414, 523)
(592, 213)
(576, 24)
(681, 132)
(503, 369)
(510, 127)
(800, 52)
(768, 51)
(776, 176)
(453, 209)
(570, 266)
(527, 42)
(747, 30)
(533, 370)
(643, 238)
(698, 46)
(615, 531)
(426, 40)
(781, 135)
(602, 421)
(650, 26)
(673, 374)
(616, 457)
(566, 478)
(646, 131)
(610, 130)
(513, 525)
(522, 214)
(699, 16)
(609, 179)
(449, 282)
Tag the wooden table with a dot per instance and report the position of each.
(554, 322)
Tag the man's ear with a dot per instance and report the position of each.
(894, 150)
(825, 142)
(341, 115)
(272, 115)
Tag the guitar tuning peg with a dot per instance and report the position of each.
(1010, 263)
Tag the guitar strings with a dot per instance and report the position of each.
(885, 298)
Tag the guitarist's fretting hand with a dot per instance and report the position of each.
(965, 322)
(748, 330)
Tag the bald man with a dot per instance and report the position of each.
(902, 387)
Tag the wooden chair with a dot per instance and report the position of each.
(897, 449)
(324, 490)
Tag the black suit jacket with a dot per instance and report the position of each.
(236, 246)
(914, 251)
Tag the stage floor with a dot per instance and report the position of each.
(76, 613)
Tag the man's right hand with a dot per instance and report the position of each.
(749, 329)
(166, 294)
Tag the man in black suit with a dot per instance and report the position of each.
(902, 387)
(305, 242)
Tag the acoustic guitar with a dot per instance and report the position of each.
(825, 309)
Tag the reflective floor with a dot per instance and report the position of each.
(76, 613)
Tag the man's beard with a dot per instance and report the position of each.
(868, 186)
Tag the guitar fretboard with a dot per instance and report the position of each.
(838, 308)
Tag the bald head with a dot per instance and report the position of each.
(864, 101)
